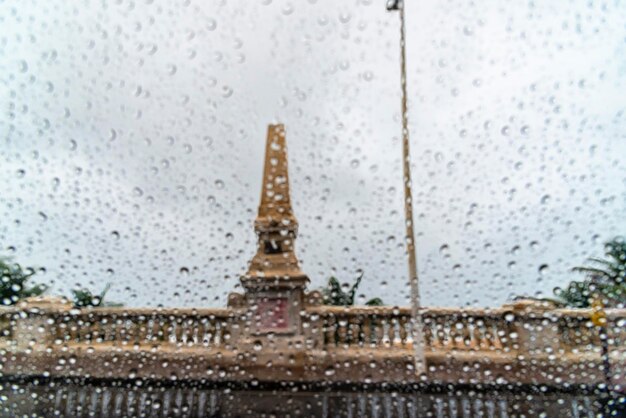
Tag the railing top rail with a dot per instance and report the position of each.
(124, 311)
(358, 310)
(612, 314)
(403, 311)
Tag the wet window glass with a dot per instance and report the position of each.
(312, 208)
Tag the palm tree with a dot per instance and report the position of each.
(606, 278)
(85, 298)
(13, 286)
(334, 295)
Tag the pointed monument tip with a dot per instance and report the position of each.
(275, 129)
(275, 200)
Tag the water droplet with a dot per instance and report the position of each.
(543, 269)
(227, 91)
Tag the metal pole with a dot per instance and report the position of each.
(598, 317)
(418, 337)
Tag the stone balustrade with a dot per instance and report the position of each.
(182, 328)
(510, 339)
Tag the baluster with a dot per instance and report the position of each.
(474, 340)
(90, 329)
(179, 330)
(133, 325)
(354, 337)
(377, 331)
(150, 329)
(427, 331)
(165, 329)
(115, 329)
(82, 328)
(157, 329)
(193, 330)
(457, 332)
(468, 330)
(496, 342)
(103, 328)
(95, 332)
(384, 331)
(367, 330)
(189, 331)
(218, 341)
(330, 331)
(446, 334)
(143, 329)
(482, 335)
(129, 328)
(73, 330)
(342, 331)
(403, 322)
(209, 332)
(393, 331)
(432, 334)
(225, 332)
(169, 329)
(184, 331)
(463, 330)
(433, 331)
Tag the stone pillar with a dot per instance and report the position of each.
(536, 327)
(36, 325)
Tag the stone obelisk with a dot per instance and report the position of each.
(274, 284)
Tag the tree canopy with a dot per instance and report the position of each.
(13, 282)
(605, 279)
(333, 294)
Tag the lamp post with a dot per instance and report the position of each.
(598, 318)
(418, 337)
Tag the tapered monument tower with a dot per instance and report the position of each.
(274, 283)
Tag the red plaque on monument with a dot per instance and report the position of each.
(274, 314)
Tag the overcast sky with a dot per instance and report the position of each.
(133, 137)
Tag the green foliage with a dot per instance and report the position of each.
(13, 282)
(85, 298)
(605, 278)
(334, 295)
